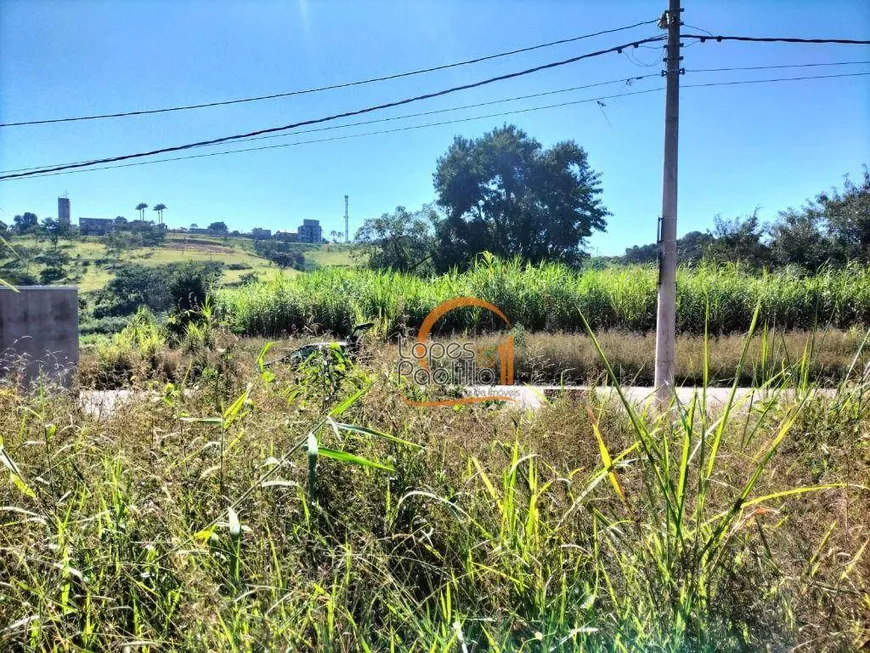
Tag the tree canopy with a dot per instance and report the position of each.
(832, 229)
(401, 240)
(740, 240)
(506, 194)
(26, 222)
(845, 216)
(55, 229)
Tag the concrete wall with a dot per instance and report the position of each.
(40, 323)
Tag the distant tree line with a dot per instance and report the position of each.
(28, 223)
(830, 230)
(281, 253)
(130, 235)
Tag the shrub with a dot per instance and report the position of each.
(143, 334)
(176, 287)
(18, 277)
(134, 286)
(115, 366)
(51, 274)
(103, 325)
(282, 254)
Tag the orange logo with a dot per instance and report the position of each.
(457, 363)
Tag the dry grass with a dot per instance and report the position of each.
(540, 358)
(571, 358)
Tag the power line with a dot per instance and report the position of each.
(346, 114)
(772, 39)
(442, 123)
(775, 79)
(791, 65)
(330, 87)
(624, 80)
(347, 136)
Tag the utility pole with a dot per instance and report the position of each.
(346, 230)
(666, 316)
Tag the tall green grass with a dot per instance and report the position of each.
(548, 296)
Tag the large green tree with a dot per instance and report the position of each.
(26, 223)
(505, 193)
(401, 240)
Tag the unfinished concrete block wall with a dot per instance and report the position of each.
(39, 331)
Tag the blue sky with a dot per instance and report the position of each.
(741, 147)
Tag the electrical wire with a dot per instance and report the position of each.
(625, 80)
(700, 29)
(346, 114)
(345, 137)
(791, 65)
(442, 123)
(383, 78)
(772, 39)
(775, 79)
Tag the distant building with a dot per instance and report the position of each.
(256, 232)
(63, 210)
(310, 231)
(96, 226)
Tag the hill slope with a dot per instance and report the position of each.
(91, 264)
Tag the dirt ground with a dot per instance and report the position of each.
(198, 246)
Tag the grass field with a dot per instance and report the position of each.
(332, 255)
(248, 509)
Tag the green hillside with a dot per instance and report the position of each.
(92, 263)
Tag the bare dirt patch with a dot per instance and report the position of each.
(198, 246)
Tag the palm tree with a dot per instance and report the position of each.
(141, 206)
(160, 208)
